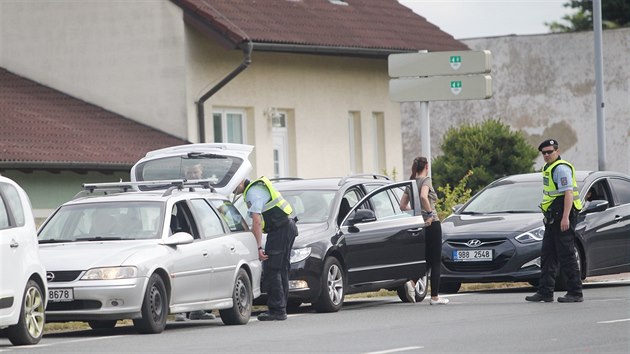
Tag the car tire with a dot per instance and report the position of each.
(450, 287)
(102, 324)
(422, 286)
(333, 285)
(154, 307)
(242, 298)
(561, 281)
(30, 327)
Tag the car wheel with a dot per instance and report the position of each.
(30, 326)
(242, 298)
(450, 287)
(561, 281)
(421, 286)
(102, 324)
(332, 287)
(154, 307)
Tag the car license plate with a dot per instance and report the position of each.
(61, 295)
(472, 255)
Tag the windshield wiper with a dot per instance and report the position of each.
(99, 238)
(54, 241)
(514, 211)
(470, 213)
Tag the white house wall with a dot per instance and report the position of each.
(317, 91)
(125, 56)
(544, 86)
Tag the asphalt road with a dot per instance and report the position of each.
(498, 321)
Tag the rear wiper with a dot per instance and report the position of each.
(54, 241)
(99, 238)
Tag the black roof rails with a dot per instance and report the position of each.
(122, 187)
(364, 175)
(280, 179)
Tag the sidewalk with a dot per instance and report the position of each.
(611, 277)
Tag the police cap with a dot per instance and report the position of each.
(548, 142)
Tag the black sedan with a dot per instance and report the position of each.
(497, 235)
(353, 238)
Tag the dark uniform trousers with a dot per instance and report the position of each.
(558, 250)
(276, 268)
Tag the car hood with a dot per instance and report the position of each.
(86, 255)
(309, 233)
(490, 223)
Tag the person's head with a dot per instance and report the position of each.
(241, 186)
(549, 150)
(419, 164)
(193, 171)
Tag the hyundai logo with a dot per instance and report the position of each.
(50, 276)
(473, 243)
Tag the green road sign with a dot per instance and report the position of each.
(441, 88)
(439, 63)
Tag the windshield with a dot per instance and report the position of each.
(218, 169)
(310, 206)
(522, 197)
(104, 221)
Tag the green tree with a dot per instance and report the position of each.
(490, 150)
(615, 13)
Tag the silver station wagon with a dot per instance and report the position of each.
(178, 246)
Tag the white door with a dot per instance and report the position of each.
(280, 144)
(12, 258)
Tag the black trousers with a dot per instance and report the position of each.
(276, 269)
(558, 251)
(433, 254)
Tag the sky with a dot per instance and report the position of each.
(485, 18)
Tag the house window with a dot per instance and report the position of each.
(379, 141)
(354, 138)
(280, 137)
(229, 126)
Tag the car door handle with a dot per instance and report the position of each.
(14, 244)
(415, 232)
(204, 253)
(232, 248)
(618, 218)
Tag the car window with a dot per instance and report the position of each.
(12, 202)
(209, 222)
(598, 191)
(310, 206)
(230, 215)
(524, 197)
(181, 220)
(385, 203)
(4, 213)
(621, 189)
(93, 221)
(218, 169)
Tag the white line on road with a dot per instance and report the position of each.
(64, 342)
(395, 350)
(615, 321)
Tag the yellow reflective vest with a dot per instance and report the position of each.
(277, 201)
(550, 190)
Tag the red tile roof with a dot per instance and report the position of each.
(41, 128)
(380, 25)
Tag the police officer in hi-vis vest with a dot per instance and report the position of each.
(270, 214)
(560, 206)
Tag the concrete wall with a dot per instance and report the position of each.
(125, 56)
(544, 86)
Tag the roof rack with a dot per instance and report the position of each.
(122, 187)
(364, 175)
(280, 179)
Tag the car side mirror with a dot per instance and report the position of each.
(361, 216)
(456, 207)
(179, 238)
(595, 206)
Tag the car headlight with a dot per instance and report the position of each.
(110, 273)
(534, 235)
(300, 254)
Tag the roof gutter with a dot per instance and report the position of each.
(328, 50)
(247, 59)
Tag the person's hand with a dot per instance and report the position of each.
(564, 224)
(261, 255)
(428, 221)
